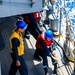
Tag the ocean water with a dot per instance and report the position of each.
(69, 6)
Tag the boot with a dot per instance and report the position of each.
(36, 56)
(47, 74)
(46, 71)
(55, 69)
(26, 35)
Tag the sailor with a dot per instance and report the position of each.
(17, 50)
(33, 19)
(33, 28)
(45, 47)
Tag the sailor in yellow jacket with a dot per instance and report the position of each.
(17, 49)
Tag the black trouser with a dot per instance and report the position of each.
(43, 54)
(22, 68)
(33, 29)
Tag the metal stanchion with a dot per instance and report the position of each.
(74, 59)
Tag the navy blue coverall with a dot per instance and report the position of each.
(33, 25)
(23, 67)
(44, 53)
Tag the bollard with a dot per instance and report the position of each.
(54, 25)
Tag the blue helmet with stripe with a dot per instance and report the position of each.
(49, 34)
(21, 24)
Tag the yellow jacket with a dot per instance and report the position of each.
(21, 46)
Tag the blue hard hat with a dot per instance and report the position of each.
(21, 24)
(49, 34)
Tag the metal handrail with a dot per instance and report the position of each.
(69, 66)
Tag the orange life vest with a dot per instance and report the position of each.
(36, 16)
(47, 42)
